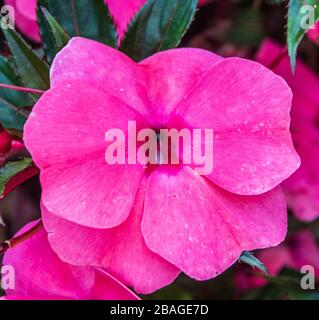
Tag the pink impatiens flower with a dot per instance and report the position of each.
(146, 224)
(300, 250)
(40, 275)
(302, 188)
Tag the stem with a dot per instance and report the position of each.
(278, 59)
(23, 89)
(9, 244)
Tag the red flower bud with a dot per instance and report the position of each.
(5, 142)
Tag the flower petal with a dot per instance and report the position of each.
(69, 122)
(103, 67)
(172, 74)
(93, 194)
(203, 229)
(121, 250)
(69, 146)
(247, 106)
(55, 279)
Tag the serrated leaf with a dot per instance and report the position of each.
(296, 28)
(10, 100)
(53, 36)
(251, 260)
(10, 170)
(33, 71)
(159, 25)
(85, 18)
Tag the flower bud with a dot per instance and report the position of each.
(5, 142)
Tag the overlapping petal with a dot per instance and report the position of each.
(203, 229)
(104, 68)
(121, 250)
(247, 106)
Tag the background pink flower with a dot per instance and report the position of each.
(300, 250)
(302, 188)
(25, 17)
(41, 275)
(146, 225)
(313, 34)
(123, 12)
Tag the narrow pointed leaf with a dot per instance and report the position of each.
(296, 29)
(85, 18)
(159, 25)
(33, 71)
(54, 38)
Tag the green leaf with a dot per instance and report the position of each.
(296, 28)
(251, 260)
(33, 71)
(159, 25)
(10, 100)
(54, 38)
(85, 18)
(11, 169)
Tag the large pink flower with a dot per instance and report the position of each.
(147, 224)
(41, 275)
(302, 188)
(300, 250)
(121, 11)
